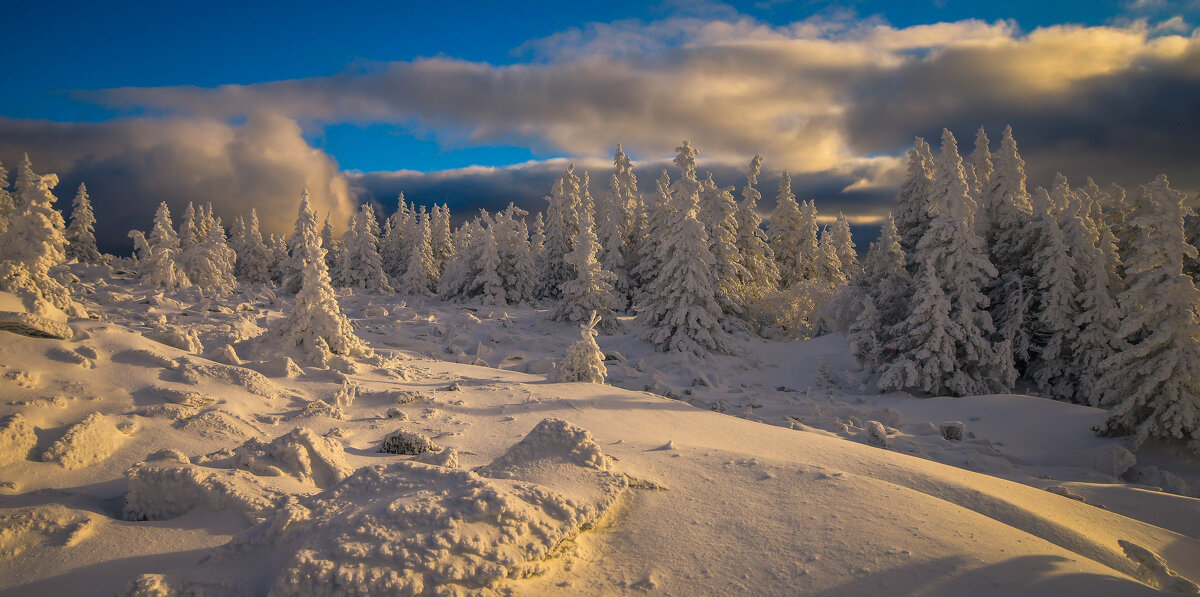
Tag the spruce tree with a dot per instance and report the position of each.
(562, 217)
(681, 313)
(885, 278)
(913, 210)
(1098, 319)
(254, 259)
(843, 244)
(7, 205)
(1054, 320)
(925, 344)
(396, 240)
(518, 268)
(35, 242)
(1008, 212)
(1153, 383)
(786, 232)
(584, 361)
(658, 212)
(162, 246)
(419, 274)
(718, 213)
(359, 265)
(316, 323)
(761, 275)
(439, 239)
(590, 292)
(329, 242)
(81, 234)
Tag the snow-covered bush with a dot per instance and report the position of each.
(584, 360)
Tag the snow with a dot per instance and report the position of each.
(196, 476)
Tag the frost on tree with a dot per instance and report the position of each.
(1006, 207)
(913, 210)
(206, 257)
(614, 214)
(418, 279)
(1152, 384)
(359, 265)
(518, 268)
(157, 254)
(81, 234)
(397, 237)
(1098, 318)
(35, 242)
(439, 230)
(331, 244)
(925, 344)
(584, 361)
(952, 248)
(718, 213)
(681, 312)
(658, 212)
(1054, 319)
(254, 259)
(562, 222)
(864, 335)
(884, 276)
(793, 233)
(843, 245)
(316, 324)
(761, 275)
(589, 293)
(827, 267)
(7, 205)
(981, 176)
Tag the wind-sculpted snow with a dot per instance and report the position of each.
(86, 443)
(165, 489)
(16, 439)
(409, 528)
(300, 453)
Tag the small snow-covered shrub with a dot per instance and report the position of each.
(954, 431)
(876, 434)
(183, 339)
(86, 443)
(584, 361)
(407, 442)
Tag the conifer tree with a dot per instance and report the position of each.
(718, 213)
(316, 324)
(419, 274)
(1054, 324)
(280, 259)
(1008, 212)
(518, 268)
(1152, 384)
(952, 248)
(658, 212)
(981, 179)
(562, 217)
(843, 245)
(884, 277)
(35, 242)
(7, 204)
(159, 268)
(1098, 318)
(329, 242)
(827, 267)
(81, 234)
(913, 210)
(787, 236)
(682, 313)
(612, 223)
(208, 261)
(864, 335)
(761, 275)
(590, 292)
(254, 259)
(189, 232)
(443, 248)
(396, 240)
(925, 343)
(488, 284)
(538, 240)
(359, 263)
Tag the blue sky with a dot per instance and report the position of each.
(70, 46)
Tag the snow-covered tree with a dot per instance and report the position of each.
(1152, 383)
(7, 205)
(488, 283)
(359, 264)
(718, 213)
(331, 244)
(864, 335)
(584, 361)
(758, 260)
(682, 313)
(207, 259)
(792, 230)
(518, 267)
(1008, 212)
(952, 248)
(157, 254)
(1098, 319)
(843, 245)
(81, 234)
(884, 277)
(981, 176)
(562, 217)
(538, 240)
(827, 267)
(35, 241)
(925, 344)
(280, 259)
(316, 324)
(419, 274)
(913, 210)
(589, 293)
(439, 230)
(613, 219)
(657, 214)
(397, 239)
(1054, 319)
(254, 259)
(189, 230)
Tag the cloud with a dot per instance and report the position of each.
(131, 165)
(827, 94)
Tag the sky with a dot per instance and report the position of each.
(479, 104)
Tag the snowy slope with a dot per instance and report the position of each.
(659, 494)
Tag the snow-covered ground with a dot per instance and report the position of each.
(152, 454)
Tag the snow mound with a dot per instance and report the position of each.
(28, 528)
(300, 453)
(59, 353)
(551, 442)
(1153, 570)
(16, 439)
(1110, 459)
(253, 381)
(43, 321)
(186, 340)
(142, 356)
(163, 489)
(217, 424)
(447, 457)
(188, 398)
(85, 443)
(410, 528)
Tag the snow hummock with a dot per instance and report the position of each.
(86, 443)
(300, 453)
(16, 439)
